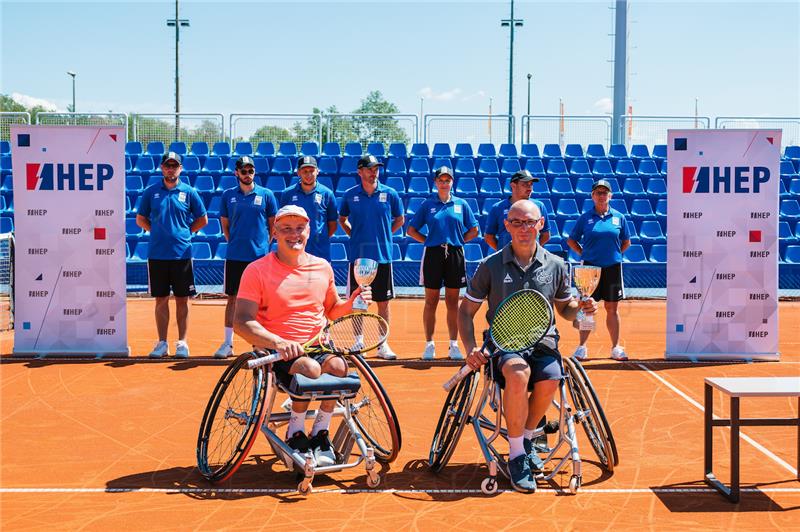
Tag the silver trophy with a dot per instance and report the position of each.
(364, 271)
(586, 280)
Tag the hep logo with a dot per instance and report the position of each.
(70, 176)
(724, 179)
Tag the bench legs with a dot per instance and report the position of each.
(732, 492)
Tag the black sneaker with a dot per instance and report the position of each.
(299, 442)
(520, 472)
(534, 461)
(321, 446)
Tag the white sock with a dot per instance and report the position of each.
(529, 433)
(429, 343)
(229, 335)
(360, 339)
(515, 447)
(297, 423)
(453, 343)
(322, 421)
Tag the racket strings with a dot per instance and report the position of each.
(520, 321)
(355, 333)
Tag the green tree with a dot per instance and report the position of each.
(383, 129)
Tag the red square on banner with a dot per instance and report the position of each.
(755, 236)
(99, 233)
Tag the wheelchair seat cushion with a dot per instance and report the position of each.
(326, 384)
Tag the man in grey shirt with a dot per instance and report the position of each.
(522, 264)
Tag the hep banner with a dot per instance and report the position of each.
(722, 244)
(69, 214)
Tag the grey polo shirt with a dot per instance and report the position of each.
(499, 276)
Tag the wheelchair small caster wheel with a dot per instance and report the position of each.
(489, 485)
(304, 489)
(373, 480)
(574, 484)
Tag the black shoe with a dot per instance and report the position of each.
(299, 442)
(520, 472)
(321, 446)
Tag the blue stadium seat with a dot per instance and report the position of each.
(349, 167)
(783, 191)
(128, 207)
(127, 251)
(155, 148)
(413, 206)
(419, 168)
(792, 255)
(414, 252)
(213, 206)
(396, 182)
(619, 205)
(154, 179)
(566, 228)
(261, 166)
(465, 168)
(396, 167)
(201, 251)
(419, 186)
(650, 233)
(551, 151)
(265, 149)
(553, 247)
(132, 147)
(338, 252)
(134, 184)
(490, 186)
(530, 151)
(625, 169)
(794, 187)
(486, 150)
(221, 252)
(243, 148)
(420, 150)
(287, 149)
(507, 151)
(441, 149)
(346, 182)
(539, 189)
(572, 152)
(635, 253)
(339, 235)
(579, 168)
(213, 166)
(282, 166)
(466, 187)
(396, 254)
(661, 208)
(487, 205)
(633, 188)
(3, 206)
(663, 169)
(276, 183)
(602, 169)
(587, 204)
(509, 168)
(792, 153)
(332, 149)
(462, 150)
(488, 168)
(648, 169)
(199, 150)
(556, 168)
(473, 252)
(617, 152)
(144, 166)
(5, 147)
(659, 152)
(594, 152)
(377, 149)
(310, 148)
(632, 232)
(225, 182)
(567, 209)
(398, 149)
(583, 188)
(790, 210)
(191, 165)
(141, 251)
(641, 210)
(536, 168)
(399, 235)
(178, 147)
(128, 164)
(326, 181)
(211, 232)
(221, 149)
(441, 161)
(786, 237)
(6, 224)
(639, 152)
(204, 184)
(787, 170)
(230, 167)
(562, 188)
(353, 149)
(328, 166)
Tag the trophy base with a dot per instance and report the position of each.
(586, 325)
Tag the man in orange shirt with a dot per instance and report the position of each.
(283, 301)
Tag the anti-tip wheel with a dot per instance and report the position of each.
(373, 481)
(489, 486)
(574, 484)
(304, 491)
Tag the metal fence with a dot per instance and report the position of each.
(471, 129)
(563, 130)
(182, 127)
(275, 128)
(366, 128)
(789, 125)
(652, 130)
(8, 119)
(82, 119)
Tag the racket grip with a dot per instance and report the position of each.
(263, 361)
(458, 377)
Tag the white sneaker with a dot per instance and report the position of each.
(181, 350)
(430, 352)
(455, 353)
(160, 350)
(580, 353)
(385, 352)
(224, 351)
(618, 353)
(358, 345)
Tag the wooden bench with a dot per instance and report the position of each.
(735, 388)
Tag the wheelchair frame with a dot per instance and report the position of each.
(587, 411)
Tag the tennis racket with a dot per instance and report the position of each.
(520, 322)
(351, 334)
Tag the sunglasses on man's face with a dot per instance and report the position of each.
(171, 165)
(247, 171)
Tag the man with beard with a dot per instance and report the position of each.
(496, 234)
(246, 213)
(171, 211)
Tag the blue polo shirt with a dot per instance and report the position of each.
(447, 222)
(601, 237)
(371, 218)
(499, 212)
(171, 213)
(320, 205)
(247, 216)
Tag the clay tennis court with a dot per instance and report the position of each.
(110, 444)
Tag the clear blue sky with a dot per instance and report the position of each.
(738, 58)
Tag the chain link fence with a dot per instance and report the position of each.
(82, 119)
(181, 127)
(470, 129)
(563, 130)
(367, 128)
(275, 128)
(652, 130)
(8, 119)
(789, 125)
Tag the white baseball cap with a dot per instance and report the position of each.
(291, 210)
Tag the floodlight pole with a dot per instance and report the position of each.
(178, 23)
(528, 132)
(511, 23)
(73, 74)
(620, 69)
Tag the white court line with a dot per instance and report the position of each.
(274, 491)
(745, 437)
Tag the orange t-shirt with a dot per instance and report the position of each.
(292, 302)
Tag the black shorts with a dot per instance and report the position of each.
(545, 364)
(282, 367)
(233, 275)
(382, 286)
(443, 265)
(610, 287)
(174, 275)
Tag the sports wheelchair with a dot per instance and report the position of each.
(243, 402)
(486, 420)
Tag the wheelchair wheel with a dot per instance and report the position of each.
(374, 414)
(232, 419)
(599, 409)
(585, 402)
(451, 423)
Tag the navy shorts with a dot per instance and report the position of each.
(176, 276)
(233, 275)
(282, 367)
(545, 364)
(611, 286)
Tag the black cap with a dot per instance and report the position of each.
(443, 170)
(601, 183)
(524, 176)
(243, 161)
(308, 160)
(369, 161)
(171, 156)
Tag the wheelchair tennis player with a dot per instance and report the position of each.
(522, 264)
